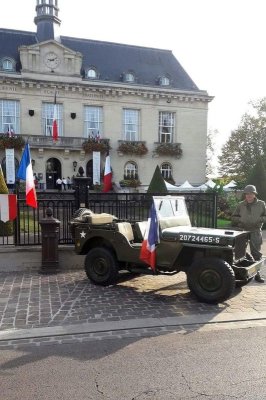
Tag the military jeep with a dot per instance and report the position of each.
(214, 260)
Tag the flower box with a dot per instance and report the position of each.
(101, 145)
(168, 149)
(128, 147)
(11, 142)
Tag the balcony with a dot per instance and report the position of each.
(74, 143)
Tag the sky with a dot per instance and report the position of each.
(220, 43)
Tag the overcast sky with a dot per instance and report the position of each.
(220, 43)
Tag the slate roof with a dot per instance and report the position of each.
(111, 60)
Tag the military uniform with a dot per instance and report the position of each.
(251, 216)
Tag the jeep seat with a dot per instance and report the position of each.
(171, 222)
(140, 229)
(126, 230)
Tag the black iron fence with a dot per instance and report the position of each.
(25, 230)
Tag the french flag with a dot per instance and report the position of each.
(8, 207)
(55, 127)
(107, 178)
(151, 238)
(26, 174)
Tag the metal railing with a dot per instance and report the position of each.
(26, 230)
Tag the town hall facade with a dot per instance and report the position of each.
(138, 103)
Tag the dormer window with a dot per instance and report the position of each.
(7, 64)
(164, 81)
(92, 73)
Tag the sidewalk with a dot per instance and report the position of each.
(35, 305)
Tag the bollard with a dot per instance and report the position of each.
(50, 237)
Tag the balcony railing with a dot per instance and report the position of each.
(62, 142)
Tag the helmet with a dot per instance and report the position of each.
(250, 189)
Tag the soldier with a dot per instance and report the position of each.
(250, 215)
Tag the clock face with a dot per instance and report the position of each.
(51, 60)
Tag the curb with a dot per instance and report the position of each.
(96, 327)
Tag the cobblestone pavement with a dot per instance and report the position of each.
(33, 300)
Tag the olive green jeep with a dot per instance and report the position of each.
(214, 260)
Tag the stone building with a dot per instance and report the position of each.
(137, 100)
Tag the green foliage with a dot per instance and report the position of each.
(246, 144)
(257, 177)
(157, 184)
(226, 205)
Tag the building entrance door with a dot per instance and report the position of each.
(53, 171)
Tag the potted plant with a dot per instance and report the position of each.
(136, 148)
(128, 181)
(168, 149)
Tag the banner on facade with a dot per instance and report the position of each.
(10, 166)
(96, 156)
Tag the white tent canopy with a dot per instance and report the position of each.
(171, 187)
(230, 185)
(210, 184)
(186, 185)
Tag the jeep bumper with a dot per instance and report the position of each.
(247, 269)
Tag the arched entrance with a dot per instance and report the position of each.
(53, 171)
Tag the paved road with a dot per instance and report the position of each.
(182, 365)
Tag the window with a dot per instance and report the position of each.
(129, 77)
(166, 170)
(48, 116)
(131, 171)
(131, 125)
(9, 116)
(93, 121)
(7, 64)
(164, 81)
(166, 127)
(91, 74)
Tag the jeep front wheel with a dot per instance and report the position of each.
(212, 280)
(100, 266)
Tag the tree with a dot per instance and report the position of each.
(211, 156)
(246, 144)
(157, 184)
(257, 177)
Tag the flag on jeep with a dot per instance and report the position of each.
(151, 238)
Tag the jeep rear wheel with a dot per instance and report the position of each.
(212, 280)
(100, 266)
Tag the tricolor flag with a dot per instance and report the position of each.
(55, 127)
(151, 238)
(26, 174)
(8, 207)
(107, 178)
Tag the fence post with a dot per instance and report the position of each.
(50, 237)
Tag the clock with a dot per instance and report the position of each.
(51, 60)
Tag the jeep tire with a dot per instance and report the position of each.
(212, 280)
(100, 266)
